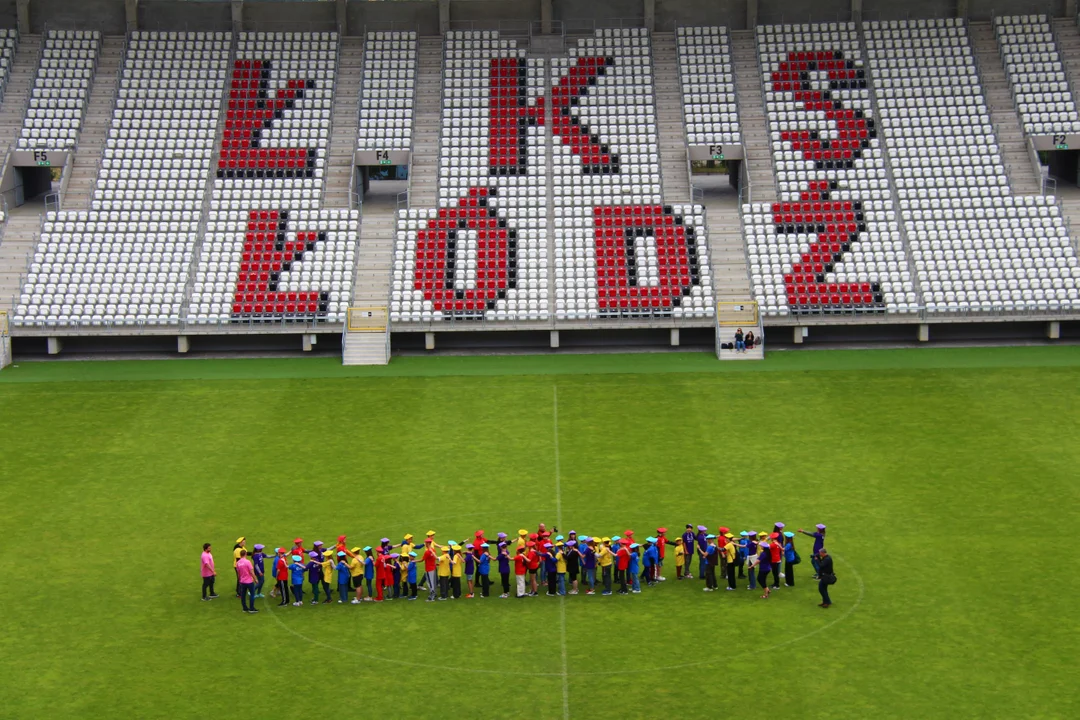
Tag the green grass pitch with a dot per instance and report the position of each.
(948, 479)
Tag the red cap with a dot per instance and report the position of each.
(724, 529)
(773, 536)
(427, 540)
(530, 544)
(298, 540)
(532, 536)
(629, 533)
(479, 533)
(341, 538)
(624, 541)
(661, 530)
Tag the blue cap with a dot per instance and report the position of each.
(634, 546)
(558, 537)
(650, 539)
(615, 538)
(367, 548)
(710, 537)
(744, 533)
(412, 554)
(788, 533)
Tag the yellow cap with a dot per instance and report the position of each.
(355, 550)
(523, 533)
(430, 533)
(408, 536)
(240, 539)
(607, 540)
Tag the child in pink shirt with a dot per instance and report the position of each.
(208, 573)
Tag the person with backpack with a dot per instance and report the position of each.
(826, 577)
(791, 558)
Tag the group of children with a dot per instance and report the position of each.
(565, 565)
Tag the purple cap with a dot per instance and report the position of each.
(752, 533)
(702, 527)
(469, 546)
(394, 555)
(317, 543)
(819, 526)
(259, 547)
(572, 532)
(571, 542)
(385, 540)
(502, 544)
(501, 536)
(779, 525)
(313, 554)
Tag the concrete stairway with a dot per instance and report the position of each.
(20, 238)
(752, 116)
(346, 117)
(1023, 178)
(423, 173)
(99, 110)
(670, 124)
(371, 286)
(727, 249)
(1068, 41)
(24, 68)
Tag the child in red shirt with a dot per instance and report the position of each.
(521, 567)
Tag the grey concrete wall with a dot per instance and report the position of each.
(164, 15)
(9, 16)
(486, 14)
(285, 16)
(771, 12)
(985, 9)
(422, 15)
(894, 10)
(577, 14)
(104, 15)
(672, 13)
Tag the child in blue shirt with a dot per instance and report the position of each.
(632, 569)
(314, 569)
(410, 575)
(296, 577)
(651, 560)
(344, 577)
(369, 572)
(751, 553)
(483, 567)
(470, 568)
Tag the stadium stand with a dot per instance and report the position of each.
(389, 83)
(976, 246)
(58, 100)
(124, 262)
(1035, 68)
(482, 252)
(708, 86)
(271, 254)
(831, 243)
(9, 40)
(620, 251)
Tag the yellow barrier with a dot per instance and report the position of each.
(737, 314)
(3, 323)
(367, 319)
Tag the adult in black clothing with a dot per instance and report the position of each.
(750, 339)
(740, 346)
(825, 577)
